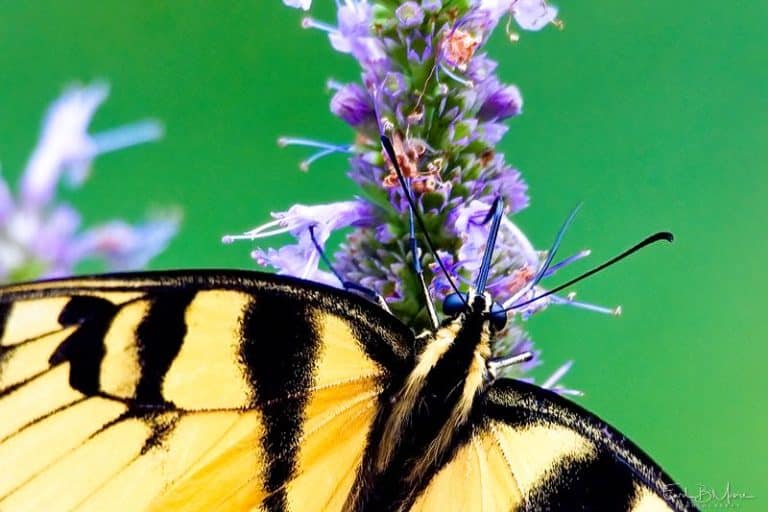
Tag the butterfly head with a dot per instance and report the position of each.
(457, 304)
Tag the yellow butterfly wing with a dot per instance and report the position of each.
(189, 391)
(530, 449)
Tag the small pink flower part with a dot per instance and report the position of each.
(458, 46)
(300, 4)
(533, 14)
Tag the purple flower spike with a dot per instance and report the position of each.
(409, 15)
(352, 104)
(501, 103)
(431, 89)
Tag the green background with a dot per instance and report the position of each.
(654, 114)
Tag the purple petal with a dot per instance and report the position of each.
(501, 103)
(533, 14)
(409, 15)
(352, 104)
(301, 4)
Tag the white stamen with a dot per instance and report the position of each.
(262, 231)
(566, 391)
(568, 301)
(127, 136)
(313, 23)
(555, 377)
(462, 81)
(304, 165)
(297, 141)
(567, 261)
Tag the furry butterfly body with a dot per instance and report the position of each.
(227, 390)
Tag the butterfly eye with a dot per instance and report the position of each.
(454, 304)
(498, 316)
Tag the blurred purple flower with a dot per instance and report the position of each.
(40, 237)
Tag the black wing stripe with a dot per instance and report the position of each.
(84, 348)
(279, 347)
(159, 337)
(5, 311)
(599, 483)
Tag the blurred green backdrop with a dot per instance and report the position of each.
(654, 114)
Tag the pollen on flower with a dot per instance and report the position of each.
(408, 153)
(521, 277)
(458, 47)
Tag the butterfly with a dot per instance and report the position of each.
(239, 390)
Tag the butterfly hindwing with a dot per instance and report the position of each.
(204, 390)
(530, 449)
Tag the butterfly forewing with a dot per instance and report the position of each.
(207, 390)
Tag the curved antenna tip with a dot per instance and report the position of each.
(667, 235)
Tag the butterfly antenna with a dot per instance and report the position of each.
(347, 285)
(412, 205)
(496, 213)
(656, 237)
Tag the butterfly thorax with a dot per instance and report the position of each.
(427, 415)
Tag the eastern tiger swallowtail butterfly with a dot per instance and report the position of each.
(234, 390)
